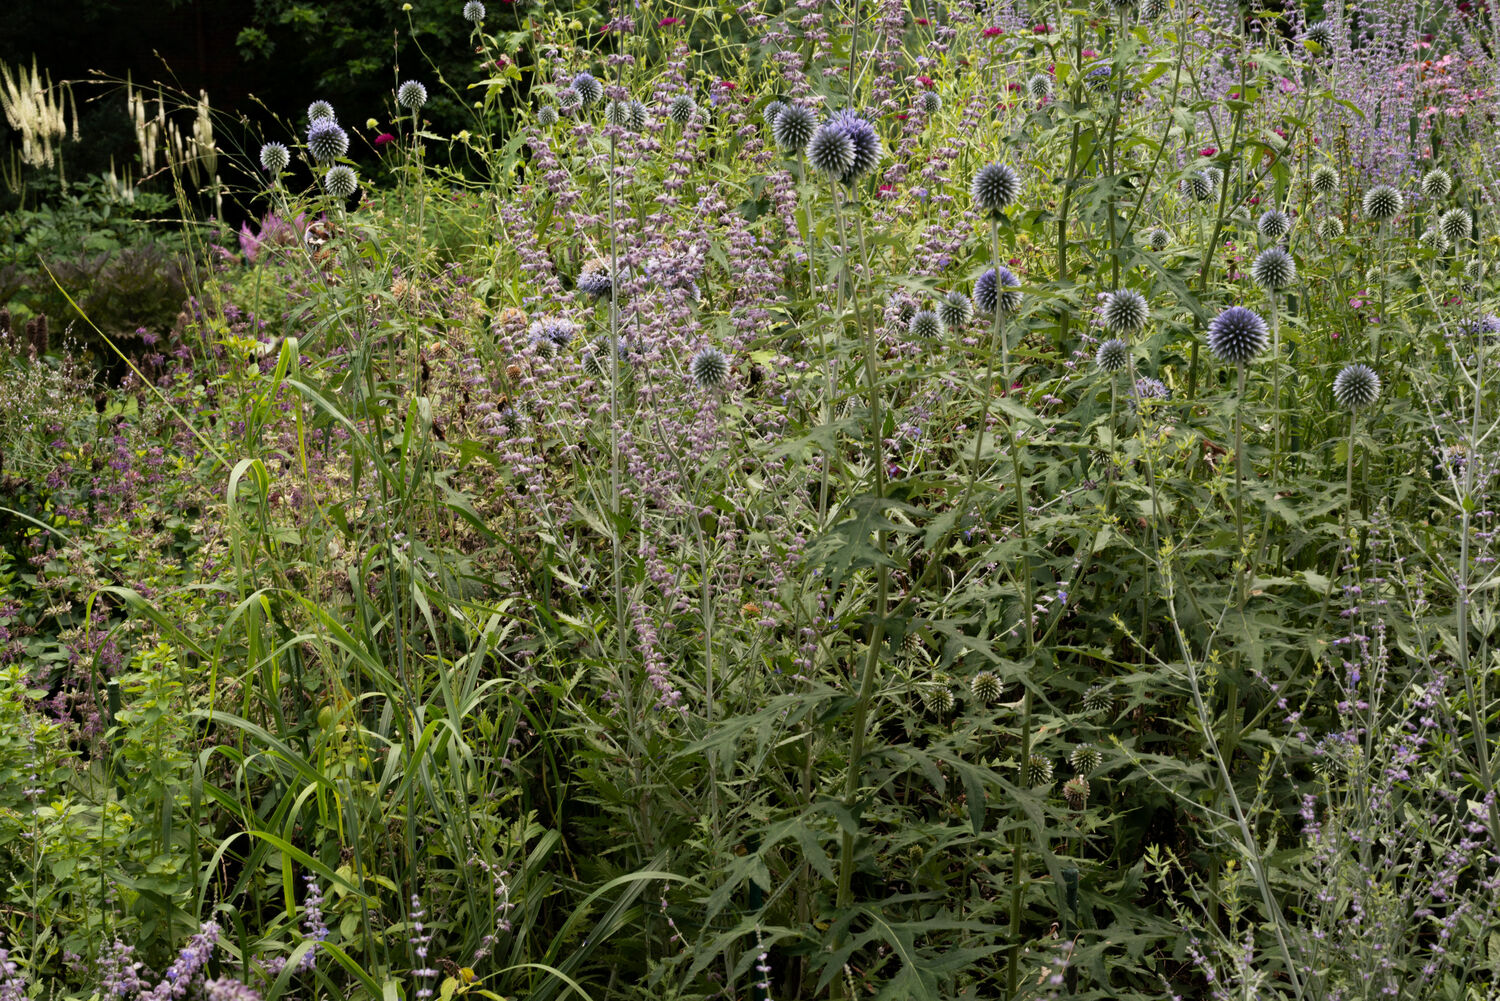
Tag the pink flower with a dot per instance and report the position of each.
(383, 138)
(1208, 151)
(1042, 29)
(667, 22)
(926, 81)
(923, 21)
(993, 32)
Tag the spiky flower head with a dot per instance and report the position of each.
(1098, 78)
(681, 109)
(1038, 87)
(938, 699)
(1383, 202)
(771, 112)
(1331, 228)
(1474, 269)
(319, 110)
(1125, 311)
(710, 368)
(1484, 328)
(1158, 239)
(955, 309)
(1085, 758)
(1456, 224)
(411, 95)
(1075, 792)
(1320, 34)
(590, 90)
(1096, 700)
(546, 116)
(1146, 392)
(1274, 224)
(996, 291)
(596, 361)
(868, 149)
(474, 11)
(794, 128)
(1214, 174)
(327, 141)
(1039, 770)
(930, 103)
(1237, 335)
(1436, 183)
(830, 150)
(1356, 386)
(1274, 268)
(994, 187)
(925, 324)
(595, 278)
(1153, 9)
(1113, 355)
(340, 181)
(617, 113)
(274, 157)
(569, 100)
(552, 333)
(1324, 179)
(1433, 238)
(1199, 185)
(985, 687)
(638, 116)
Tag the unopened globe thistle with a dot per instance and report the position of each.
(1356, 386)
(320, 110)
(1273, 269)
(1153, 9)
(1157, 239)
(1125, 311)
(930, 103)
(710, 368)
(830, 150)
(992, 295)
(868, 149)
(274, 157)
(569, 100)
(1455, 225)
(1274, 224)
(1147, 391)
(326, 141)
(595, 279)
(1383, 202)
(1085, 758)
(794, 129)
(925, 324)
(546, 116)
(1198, 185)
(955, 309)
(1331, 228)
(1433, 238)
(1237, 335)
(1474, 269)
(994, 187)
(1436, 184)
(638, 116)
(474, 11)
(411, 95)
(1320, 34)
(1039, 770)
(938, 699)
(1324, 179)
(1075, 792)
(1214, 174)
(1038, 87)
(1096, 700)
(1112, 356)
(771, 112)
(681, 109)
(590, 90)
(985, 687)
(340, 181)
(617, 113)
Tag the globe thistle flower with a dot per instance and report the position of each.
(770, 113)
(274, 157)
(1098, 78)
(1214, 174)
(637, 116)
(681, 109)
(1356, 386)
(995, 292)
(411, 95)
(1274, 269)
(1474, 269)
(1433, 239)
(1147, 391)
(1157, 239)
(1436, 184)
(590, 90)
(1237, 335)
(596, 358)
(1085, 758)
(617, 113)
(1483, 328)
(1331, 228)
(1274, 224)
(1039, 87)
(340, 181)
(595, 279)
(985, 687)
(955, 309)
(1112, 356)
(326, 141)
(830, 150)
(552, 333)
(925, 324)
(1075, 792)
(546, 116)
(1455, 224)
(1199, 185)
(938, 699)
(569, 100)
(1096, 700)
(1039, 770)
(1383, 202)
(1320, 34)
(868, 150)
(474, 11)
(1153, 9)
(930, 103)
(319, 110)
(710, 368)
(794, 128)
(1125, 311)
(994, 187)
(1324, 179)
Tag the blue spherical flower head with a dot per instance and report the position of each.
(326, 141)
(590, 90)
(1436, 183)
(994, 187)
(995, 291)
(955, 309)
(1125, 311)
(1038, 87)
(1274, 224)
(1148, 390)
(1157, 239)
(794, 128)
(1237, 335)
(474, 11)
(1383, 202)
(771, 112)
(681, 109)
(274, 157)
(552, 334)
(617, 113)
(595, 278)
(1320, 34)
(930, 103)
(710, 368)
(868, 150)
(1356, 386)
(925, 324)
(830, 150)
(1456, 225)
(1113, 355)
(340, 181)
(1274, 269)
(319, 109)
(1324, 179)
(411, 95)
(546, 116)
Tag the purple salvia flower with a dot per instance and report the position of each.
(189, 963)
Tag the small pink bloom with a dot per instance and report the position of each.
(923, 21)
(667, 22)
(926, 81)
(383, 138)
(993, 32)
(1042, 29)
(1208, 151)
